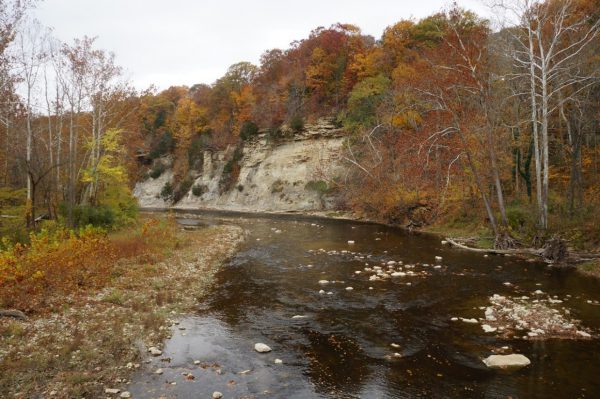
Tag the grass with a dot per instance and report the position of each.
(84, 344)
(591, 268)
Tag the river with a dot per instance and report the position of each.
(341, 346)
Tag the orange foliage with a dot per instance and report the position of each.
(65, 263)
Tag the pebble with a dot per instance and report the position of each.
(583, 334)
(349, 288)
(196, 362)
(125, 395)
(158, 371)
(278, 361)
(350, 242)
(299, 317)
(111, 391)
(323, 282)
(321, 292)
(217, 395)
(262, 348)
(154, 351)
(470, 321)
(487, 328)
(438, 258)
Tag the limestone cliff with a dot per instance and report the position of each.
(283, 175)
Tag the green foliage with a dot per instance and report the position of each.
(166, 192)
(119, 199)
(231, 170)
(364, 100)
(297, 123)
(319, 186)
(12, 209)
(182, 188)
(199, 189)
(87, 215)
(157, 170)
(165, 145)
(249, 129)
(196, 152)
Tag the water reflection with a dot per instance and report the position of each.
(341, 346)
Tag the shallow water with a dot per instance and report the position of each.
(342, 348)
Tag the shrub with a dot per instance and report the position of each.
(320, 186)
(249, 129)
(182, 188)
(199, 189)
(167, 192)
(231, 170)
(157, 170)
(165, 145)
(297, 123)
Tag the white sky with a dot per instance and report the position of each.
(183, 42)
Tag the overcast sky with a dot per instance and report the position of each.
(182, 42)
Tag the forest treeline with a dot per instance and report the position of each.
(449, 119)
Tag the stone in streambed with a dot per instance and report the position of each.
(262, 348)
(217, 395)
(506, 361)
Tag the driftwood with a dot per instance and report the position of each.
(555, 251)
(516, 251)
(16, 314)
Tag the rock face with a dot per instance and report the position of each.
(273, 175)
(506, 361)
(148, 191)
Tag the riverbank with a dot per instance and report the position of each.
(97, 338)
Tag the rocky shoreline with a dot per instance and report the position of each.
(91, 348)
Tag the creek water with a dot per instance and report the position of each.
(341, 346)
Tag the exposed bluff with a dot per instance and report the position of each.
(283, 175)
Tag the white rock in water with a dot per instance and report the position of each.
(278, 361)
(217, 395)
(321, 292)
(277, 231)
(583, 334)
(437, 267)
(454, 318)
(391, 263)
(154, 351)
(358, 272)
(395, 345)
(262, 348)
(125, 395)
(111, 391)
(196, 362)
(438, 258)
(470, 321)
(444, 242)
(370, 288)
(349, 288)
(330, 293)
(398, 274)
(506, 361)
(487, 328)
(323, 282)
(158, 371)
(538, 292)
(350, 242)
(299, 317)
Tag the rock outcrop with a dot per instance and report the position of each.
(284, 175)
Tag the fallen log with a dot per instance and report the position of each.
(516, 251)
(16, 314)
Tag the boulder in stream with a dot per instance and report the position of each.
(506, 361)
(262, 348)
